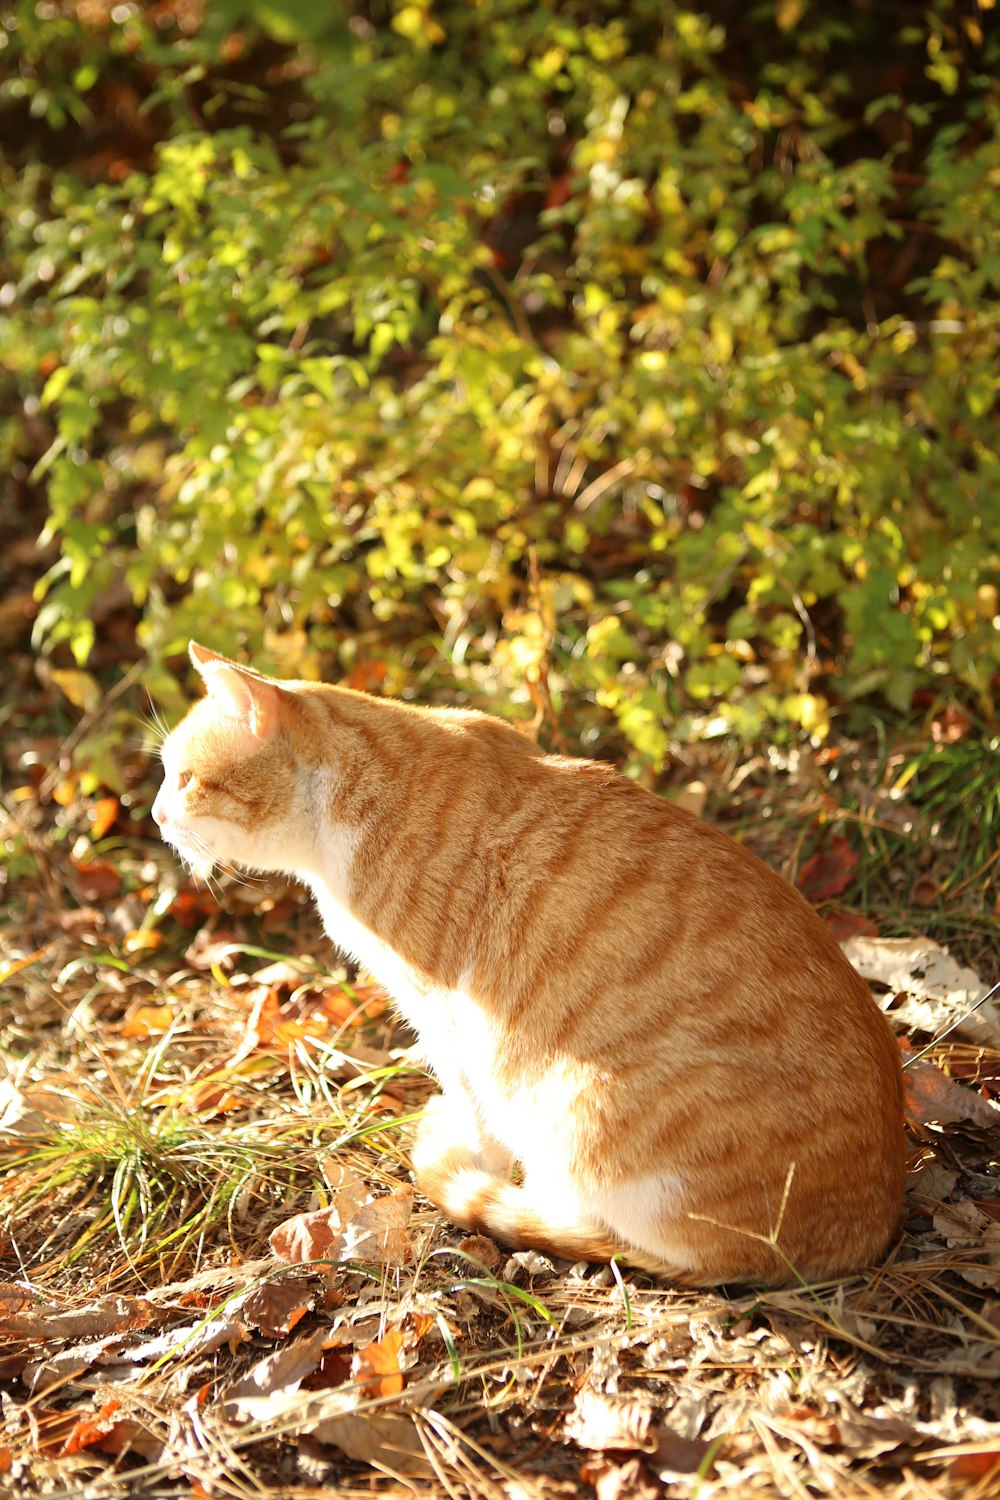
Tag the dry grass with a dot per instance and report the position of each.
(182, 1077)
(173, 1097)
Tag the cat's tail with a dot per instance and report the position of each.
(490, 1205)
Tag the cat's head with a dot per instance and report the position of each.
(232, 782)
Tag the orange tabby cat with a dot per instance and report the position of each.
(615, 997)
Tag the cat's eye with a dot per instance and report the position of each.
(183, 778)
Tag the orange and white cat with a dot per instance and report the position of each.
(616, 999)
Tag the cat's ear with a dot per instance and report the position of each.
(240, 694)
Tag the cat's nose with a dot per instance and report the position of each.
(159, 812)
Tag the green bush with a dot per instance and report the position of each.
(501, 351)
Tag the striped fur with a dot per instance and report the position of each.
(647, 1042)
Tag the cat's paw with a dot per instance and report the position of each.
(443, 1138)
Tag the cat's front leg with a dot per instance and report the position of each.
(450, 1137)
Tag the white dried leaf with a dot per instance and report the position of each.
(964, 1227)
(600, 1423)
(937, 989)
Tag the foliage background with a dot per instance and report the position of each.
(626, 368)
(631, 364)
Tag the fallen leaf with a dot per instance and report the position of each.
(65, 791)
(376, 1368)
(385, 1441)
(676, 1457)
(973, 1466)
(963, 1227)
(829, 871)
(933, 1097)
(870, 1434)
(951, 725)
(149, 1020)
(378, 1234)
(102, 817)
(97, 880)
(341, 1008)
(190, 908)
(142, 940)
(931, 989)
(925, 891)
(282, 1371)
(202, 1337)
(96, 1319)
(365, 676)
(317, 1235)
(848, 924)
(31, 1112)
(933, 1180)
(89, 1430)
(13, 1300)
(388, 1442)
(602, 1422)
(628, 1481)
(276, 1306)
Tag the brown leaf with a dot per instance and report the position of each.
(13, 1300)
(381, 1439)
(975, 1466)
(378, 1234)
(282, 1371)
(829, 871)
(388, 1442)
(376, 1367)
(32, 1112)
(848, 924)
(317, 1235)
(951, 725)
(676, 1457)
(931, 1096)
(94, 1320)
(276, 1306)
(307, 1237)
(190, 908)
(366, 676)
(96, 879)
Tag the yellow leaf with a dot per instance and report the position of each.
(82, 690)
(148, 1020)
